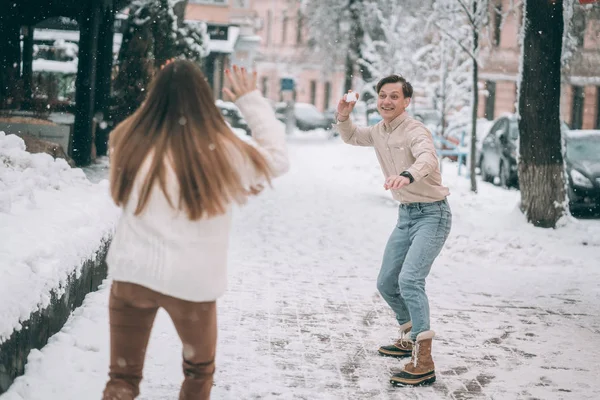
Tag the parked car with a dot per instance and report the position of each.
(498, 156)
(308, 117)
(330, 116)
(583, 169)
(430, 118)
(460, 131)
(582, 160)
(232, 115)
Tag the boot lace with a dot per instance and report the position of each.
(415, 354)
(404, 339)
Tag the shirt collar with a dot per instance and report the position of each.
(395, 122)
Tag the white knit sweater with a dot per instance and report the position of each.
(163, 250)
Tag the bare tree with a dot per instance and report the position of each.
(335, 31)
(476, 17)
(541, 165)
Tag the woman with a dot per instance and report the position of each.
(176, 170)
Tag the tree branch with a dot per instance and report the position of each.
(462, 46)
(470, 16)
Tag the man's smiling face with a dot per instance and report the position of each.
(391, 101)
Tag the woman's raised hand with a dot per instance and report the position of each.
(241, 82)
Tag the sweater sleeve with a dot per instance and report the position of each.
(355, 135)
(267, 130)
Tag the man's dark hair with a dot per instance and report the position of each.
(407, 89)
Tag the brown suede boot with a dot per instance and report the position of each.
(420, 370)
(403, 346)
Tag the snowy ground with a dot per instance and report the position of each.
(515, 308)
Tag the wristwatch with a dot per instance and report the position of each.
(408, 175)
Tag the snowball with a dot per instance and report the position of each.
(351, 97)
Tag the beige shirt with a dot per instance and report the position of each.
(405, 144)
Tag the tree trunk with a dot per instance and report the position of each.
(104, 78)
(541, 162)
(443, 95)
(349, 73)
(27, 73)
(10, 61)
(473, 147)
(85, 86)
(354, 47)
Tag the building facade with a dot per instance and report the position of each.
(580, 105)
(231, 26)
(269, 36)
(284, 55)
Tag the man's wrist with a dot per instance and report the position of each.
(341, 117)
(408, 175)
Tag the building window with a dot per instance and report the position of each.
(264, 82)
(269, 26)
(213, 2)
(577, 110)
(327, 95)
(313, 92)
(241, 4)
(497, 18)
(284, 29)
(299, 27)
(490, 101)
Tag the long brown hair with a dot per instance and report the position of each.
(180, 125)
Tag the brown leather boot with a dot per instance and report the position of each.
(403, 346)
(420, 370)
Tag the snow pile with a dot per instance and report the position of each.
(51, 220)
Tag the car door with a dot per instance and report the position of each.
(491, 148)
(500, 132)
(487, 147)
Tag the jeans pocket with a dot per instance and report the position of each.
(432, 209)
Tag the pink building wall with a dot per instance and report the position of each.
(501, 65)
(283, 53)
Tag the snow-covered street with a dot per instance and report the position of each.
(515, 308)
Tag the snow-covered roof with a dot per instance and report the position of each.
(64, 67)
(55, 34)
(71, 36)
(225, 46)
(583, 133)
(222, 46)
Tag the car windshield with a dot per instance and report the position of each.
(514, 130)
(429, 116)
(307, 111)
(584, 148)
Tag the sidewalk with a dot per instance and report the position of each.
(515, 308)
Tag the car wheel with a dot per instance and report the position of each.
(484, 175)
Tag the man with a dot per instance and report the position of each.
(407, 156)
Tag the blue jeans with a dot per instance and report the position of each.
(418, 238)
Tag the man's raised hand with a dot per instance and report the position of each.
(346, 105)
